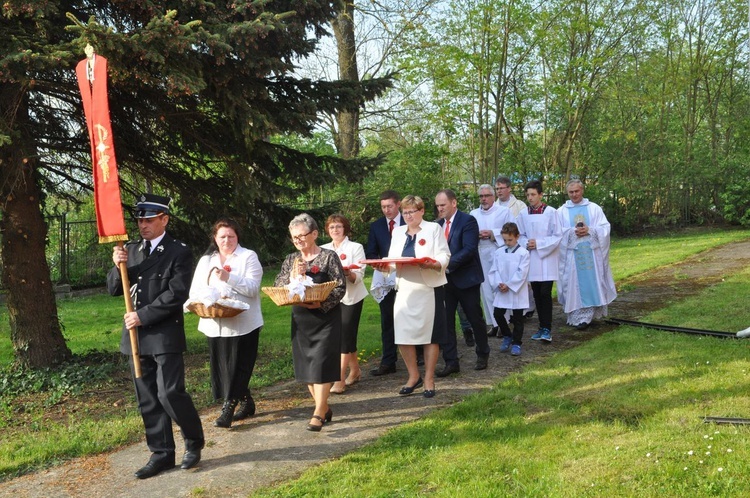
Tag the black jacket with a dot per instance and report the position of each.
(162, 285)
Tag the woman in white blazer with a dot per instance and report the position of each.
(419, 310)
(339, 228)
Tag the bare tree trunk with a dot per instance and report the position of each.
(347, 137)
(34, 325)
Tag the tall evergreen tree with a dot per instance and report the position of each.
(196, 90)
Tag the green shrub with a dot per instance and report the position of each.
(737, 203)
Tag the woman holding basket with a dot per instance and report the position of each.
(233, 272)
(316, 326)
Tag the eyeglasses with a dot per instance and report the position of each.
(300, 238)
(409, 213)
(335, 227)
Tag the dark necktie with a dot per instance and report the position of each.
(390, 226)
(147, 248)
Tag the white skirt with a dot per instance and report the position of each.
(414, 308)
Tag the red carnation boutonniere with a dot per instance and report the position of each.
(315, 269)
(422, 242)
(227, 268)
(343, 257)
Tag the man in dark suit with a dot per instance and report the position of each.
(465, 276)
(160, 268)
(378, 244)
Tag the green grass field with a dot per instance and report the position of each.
(93, 324)
(616, 416)
(620, 415)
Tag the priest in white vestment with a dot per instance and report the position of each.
(585, 285)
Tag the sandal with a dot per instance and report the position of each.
(350, 381)
(316, 428)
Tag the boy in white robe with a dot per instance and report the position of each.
(540, 234)
(490, 218)
(508, 277)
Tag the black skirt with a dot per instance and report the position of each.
(350, 315)
(316, 345)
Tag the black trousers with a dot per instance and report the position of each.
(386, 329)
(470, 301)
(161, 399)
(232, 362)
(516, 319)
(543, 298)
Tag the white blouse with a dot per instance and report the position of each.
(243, 285)
(351, 253)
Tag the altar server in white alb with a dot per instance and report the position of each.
(509, 279)
(491, 217)
(585, 286)
(540, 235)
(505, 197)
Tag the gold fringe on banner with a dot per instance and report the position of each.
(113, 238)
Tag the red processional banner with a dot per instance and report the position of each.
(92, 80)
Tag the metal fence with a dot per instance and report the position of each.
(74, 254)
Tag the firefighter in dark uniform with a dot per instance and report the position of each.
(160, 270)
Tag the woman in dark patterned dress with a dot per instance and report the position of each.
(316, 327)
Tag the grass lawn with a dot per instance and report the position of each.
(620, 415)
(93, 324)
(635, 255)
(513, 429)
(39, 431)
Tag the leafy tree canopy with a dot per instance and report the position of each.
(195, 91)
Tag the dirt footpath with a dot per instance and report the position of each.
(274, 446)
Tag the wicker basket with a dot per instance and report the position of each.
(313, 294)
(216, 310)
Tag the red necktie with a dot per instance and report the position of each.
(447, 228)
(390, 226)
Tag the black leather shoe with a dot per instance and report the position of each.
(154, 467)
(469, 337)
(429, 393)
(315, 427)
(528, 314)
(448, 370)
(383, 370)
(481, 363)
(407, 390)
(583, 326)
(190, 459)
(492, 332)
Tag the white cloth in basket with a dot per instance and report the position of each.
(297, 286)
(212, 295)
